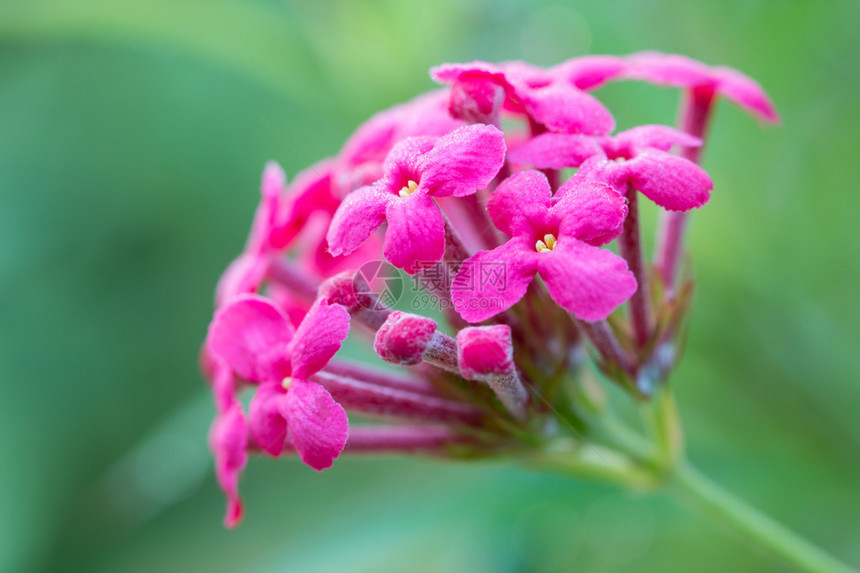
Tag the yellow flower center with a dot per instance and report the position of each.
(409, 189)
(547, 244)
(286, 383)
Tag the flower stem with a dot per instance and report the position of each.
(659, 461)
(695, 113)
(288, 275)
(726, 509)
(630, 247)
(601, 336)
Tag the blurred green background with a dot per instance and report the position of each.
(132, 138)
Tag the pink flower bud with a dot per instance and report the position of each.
(404, 338)
(486, 353)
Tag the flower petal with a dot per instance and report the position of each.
(415, 234)
(590, 211)
(586, 281)
(564, 108)
(266, 216)
(318, 426)
(463, 161)
(228, 439)
(223, 385)
(672, 182)
(520, 202)
(310, 193)
(681, 71)
(373, 139)
(590, 72)
(268, 425)
(318, 338)
(746, 93)
(659, 137)
(493, 281)
(360, 214)
(554, 150)
(426, 114)
(404, 163)
(250, 334)
(450, 73)
(476, 100)
(244, 275)
(667, 69)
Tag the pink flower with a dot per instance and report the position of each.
(681, 71)
(552, 103)
(638, 157)
(558, 239)
(280, 216)
(255, 338)
(416, 170)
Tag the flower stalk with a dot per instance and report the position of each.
(697, 491)
(630, 247)
(695, 114)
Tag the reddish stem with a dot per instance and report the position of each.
(601, 336)
(484, 229)
(298, 282)
(371, 399)
(695, 115)
(400, 439)
(397, 440)
(630, 247)
(380, 378)
(442, 352)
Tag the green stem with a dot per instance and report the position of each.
(752, 525)
(659, 461)
(574, 459)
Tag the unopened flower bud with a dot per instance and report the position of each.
(408, 339)
(486, 353)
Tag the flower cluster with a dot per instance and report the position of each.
(473, 184)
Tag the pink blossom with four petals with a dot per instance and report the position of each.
(556, 238)
(416, 170)
(255, 339)
(547, 100)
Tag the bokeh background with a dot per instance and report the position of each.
(132, 138)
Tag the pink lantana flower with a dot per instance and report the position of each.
(557, 239)
(416, 170)
(681, 71)
(480, 91)
(638, 157)
(255, 338)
